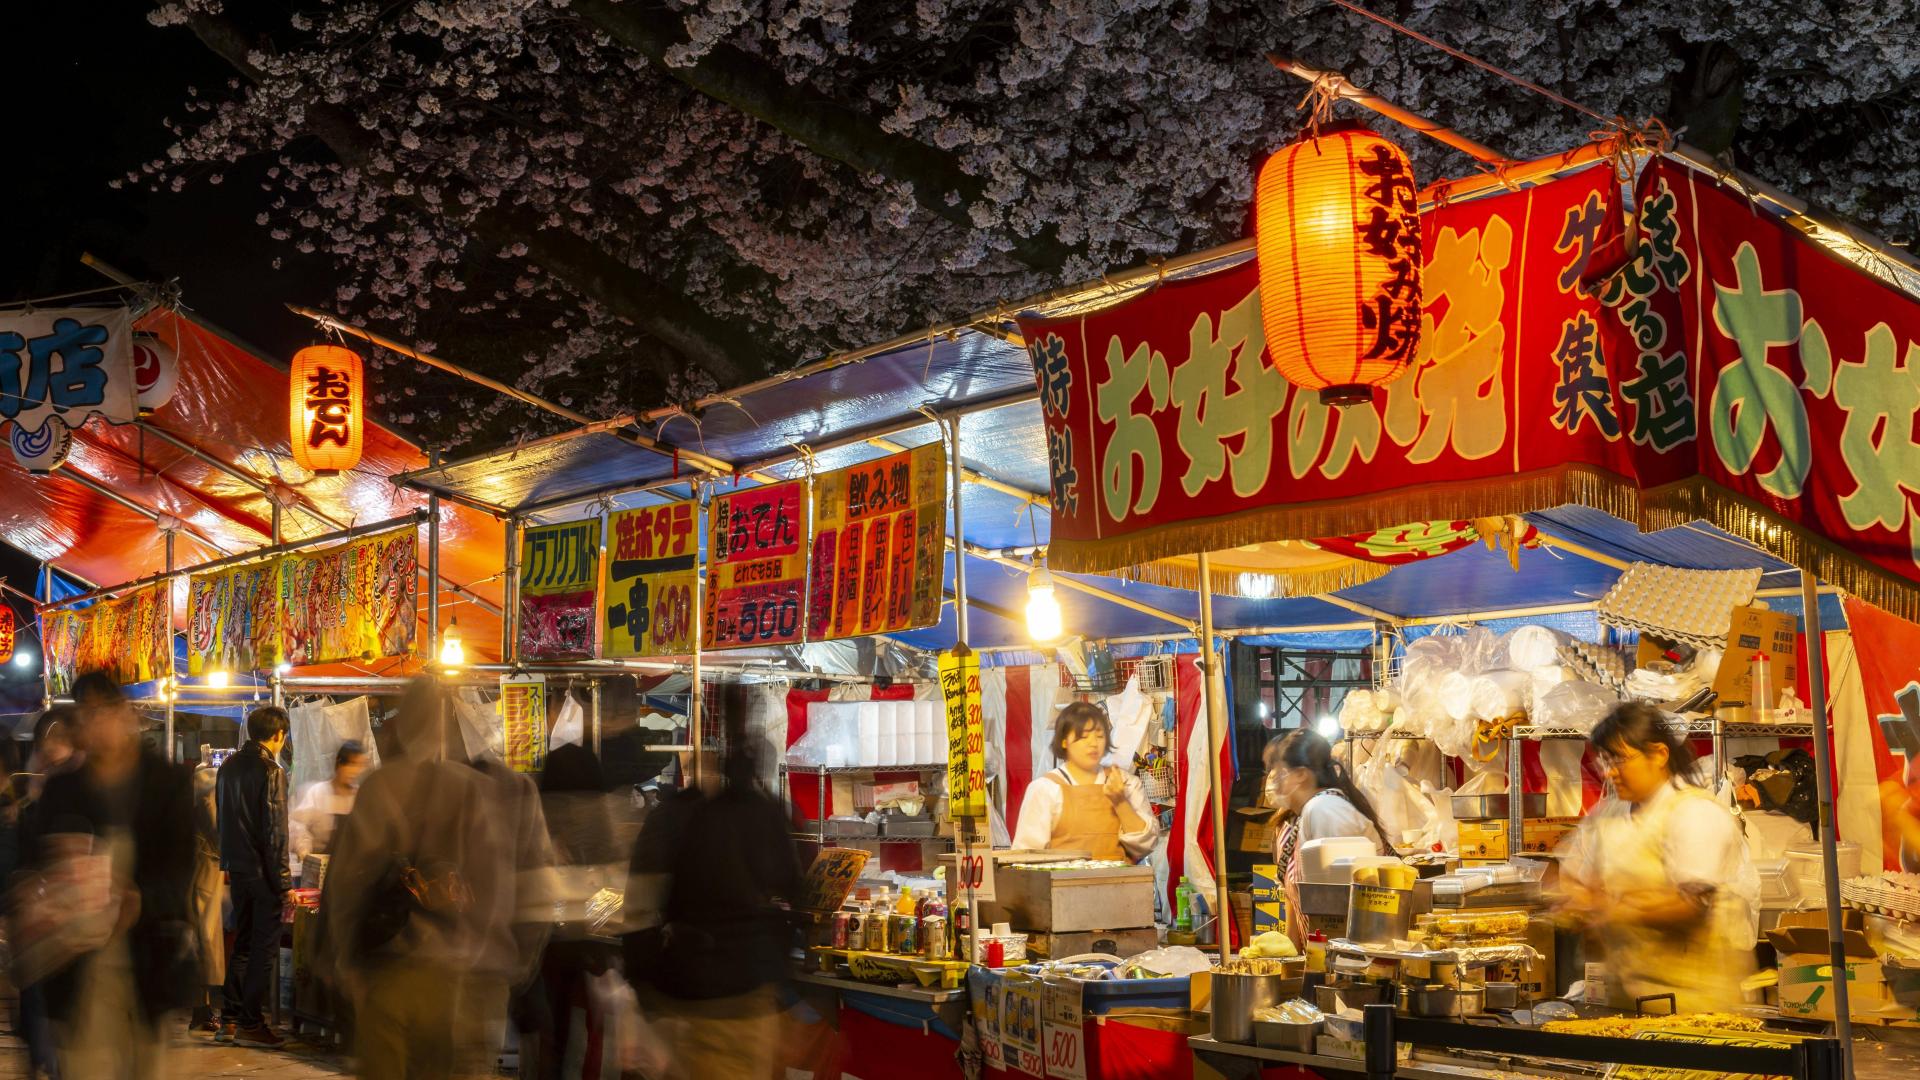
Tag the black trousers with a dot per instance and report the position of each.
(256, 940)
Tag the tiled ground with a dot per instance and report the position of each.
(201, 1057)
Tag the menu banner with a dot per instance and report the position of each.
(523, 717)
(966, 735)
(756, 568)
(233, 619)
(647, 609)
(879, 545)
(559, 580)
(131, 639)
(356, 601)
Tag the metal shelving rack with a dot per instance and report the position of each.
(820, 773)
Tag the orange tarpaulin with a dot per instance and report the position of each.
(231, 405)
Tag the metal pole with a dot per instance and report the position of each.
(1216, 739)
(276, 523)
(959, 534)
(695, 699)
(596, 718)
(46, 662)
(510, 597)
(172, 691)
(1823, 788)
(433, 578)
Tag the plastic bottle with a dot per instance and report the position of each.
(1317, 951)
(1183, 906)
(904, 906)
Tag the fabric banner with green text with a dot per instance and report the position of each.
(879, 545)
(559, 579)
(648, 603)
(1170, 432)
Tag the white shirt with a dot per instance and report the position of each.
(1040, 811)
(1329, 814)
(1702, 848)
(311, 822)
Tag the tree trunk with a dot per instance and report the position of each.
(1706, 95)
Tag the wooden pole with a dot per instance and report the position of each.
(1338, 85)
(1216, 739)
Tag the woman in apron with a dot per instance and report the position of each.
(1659, 872)
(1317, 796)
(1083, 805)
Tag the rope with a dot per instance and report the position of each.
(1469, 58)
(1321, 93)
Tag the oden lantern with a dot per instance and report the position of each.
(1337, 232)
(326, 409)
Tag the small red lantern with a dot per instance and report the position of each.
(6, 633)
(1337, 232)
(326, 409)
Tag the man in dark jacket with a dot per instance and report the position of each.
(251, 808)
(124, 816)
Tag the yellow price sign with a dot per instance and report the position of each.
(966, 735)
(1376, 900)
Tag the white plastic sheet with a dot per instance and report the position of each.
(569, 724)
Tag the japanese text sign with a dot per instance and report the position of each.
(1020, 1023)
(69, 363)
(351, 602)
(879, 545)
(559, 579)
(523, 717)
(131, 639)
(233, 619)
(648, 606)
(1169, 431)
(966, 735)
(756, 568)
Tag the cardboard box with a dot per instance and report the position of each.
(1269, 899)
(1487, 840)
(1877, 993)
(1258, 836)
(1758, 630)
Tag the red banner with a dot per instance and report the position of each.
(1170, 432)
(1889, 653)
(879, 545)
(756, 568)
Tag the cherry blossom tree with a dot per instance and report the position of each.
(619, 202)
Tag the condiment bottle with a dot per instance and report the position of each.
(905, 904)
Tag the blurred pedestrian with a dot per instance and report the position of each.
(429, 892)
(113, 850)
(251, 807)
(573, 798)
(50, 753)
(709, 928)
(207, 900)
(322, 805)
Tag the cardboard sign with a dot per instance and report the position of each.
(559, 577)
(879, 545)
(966, 736)
(756, 576)
(1756, 630)
(831, 878)
(647, 607)
(1064, 1031)
(973, 869)
(523, 715)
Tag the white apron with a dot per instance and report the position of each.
(1701, 967)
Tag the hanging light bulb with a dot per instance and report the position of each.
(1043, 611)
(282, 668)
(452, 654)
(218, 679)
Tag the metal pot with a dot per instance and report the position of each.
(1280, 1035)
(1235, 997)
(1443, 1001)
(1503, 995)
(1377, 915)
(1332, 998)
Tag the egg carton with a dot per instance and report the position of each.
(1676, 604)
(1596, 664)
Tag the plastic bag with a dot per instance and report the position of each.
(1404, 809)
(1456, 695)
(1497, 695)
(1360, 713)
(1574, 706)
(569, 724)
(1482, 650)
(1531, 648)
(1172, 960)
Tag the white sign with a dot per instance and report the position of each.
(69, 363)
(984, 989)
(1064, 1033)
(1020, 1024)
(973, 868)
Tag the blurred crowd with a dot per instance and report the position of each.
(462, 907)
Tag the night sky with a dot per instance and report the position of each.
(100, 81)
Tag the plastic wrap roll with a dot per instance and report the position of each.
(929, 738)
(867, 716)
(1497, 695)
(1532, 648)
(1456, 696)
(903, 732)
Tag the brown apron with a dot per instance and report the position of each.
(1087, 822)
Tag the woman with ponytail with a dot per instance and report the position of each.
(1318, 800)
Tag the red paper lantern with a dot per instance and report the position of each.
(1337, 231)
(326, 409)
(6, 634)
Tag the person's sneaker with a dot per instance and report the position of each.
(226, 1033)
(259, 1035)
(204, 1026)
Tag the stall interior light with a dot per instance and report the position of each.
(452, 653)
(1327, 726)
(22, 658)
(282, 668)
(1043, 609)
(218, 679)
